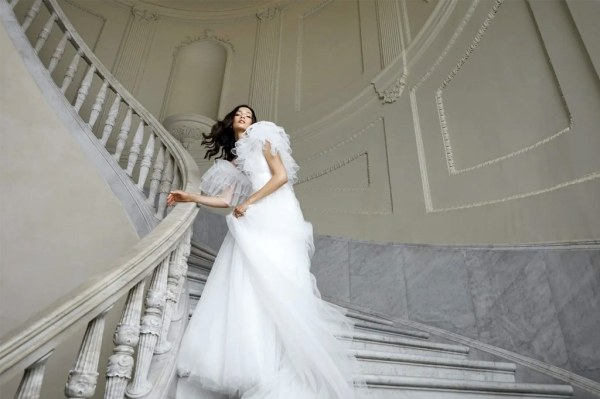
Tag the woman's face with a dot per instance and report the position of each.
(242, 120)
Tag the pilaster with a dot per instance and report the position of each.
(265, 69)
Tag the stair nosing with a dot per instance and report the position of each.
(467, 385)
(366, 354)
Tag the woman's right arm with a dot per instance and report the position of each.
(182, 196)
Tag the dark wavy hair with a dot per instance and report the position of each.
(221, 139)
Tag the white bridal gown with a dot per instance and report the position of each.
(260, 330)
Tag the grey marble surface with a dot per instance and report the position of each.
(540, 302)
(330, 267)
(437, 294)
(209, 228)
(377, 278)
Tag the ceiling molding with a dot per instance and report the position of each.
(243, 12)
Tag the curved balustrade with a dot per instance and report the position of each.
(156, 163)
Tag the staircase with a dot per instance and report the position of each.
(396, 363)
(399, 363)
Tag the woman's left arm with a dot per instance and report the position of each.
(278, 179)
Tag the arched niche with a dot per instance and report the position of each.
(198, 77)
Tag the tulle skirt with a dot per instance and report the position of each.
(260, 330)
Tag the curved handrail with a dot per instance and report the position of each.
(162, 253)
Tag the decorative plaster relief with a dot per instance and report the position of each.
(429, 207)
(265, 65)
(143, 14)
(393, 92)
(442, 114)
(208, 34)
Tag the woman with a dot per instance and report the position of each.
(260, 329)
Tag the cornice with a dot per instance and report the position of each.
(246, 12)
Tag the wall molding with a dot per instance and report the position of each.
(418, 45)
(379, 121)
(265, 65)
(452, 169)
(429, 207)
(342, 143)
(206, 15)
(336, 166)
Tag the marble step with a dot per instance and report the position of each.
(369, 318)
(375, 327)
(390, 343)
(405, 365)
(391, 387)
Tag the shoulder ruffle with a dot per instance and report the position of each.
(254, 141)
(224, 180)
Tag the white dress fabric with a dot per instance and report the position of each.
(260, 329)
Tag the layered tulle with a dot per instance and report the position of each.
(249, 149)
(226, 181)
(260, 329)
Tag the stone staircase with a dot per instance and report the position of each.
(399, 363)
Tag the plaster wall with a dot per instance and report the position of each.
(54, 206)
(412, 121)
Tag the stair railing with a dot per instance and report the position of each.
(162, 254)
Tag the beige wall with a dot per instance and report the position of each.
(483, 130)
(55, 234)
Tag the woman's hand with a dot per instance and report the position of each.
(178, 196)
(240, 210)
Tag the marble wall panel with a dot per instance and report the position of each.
(574, 278)
(209, 228)
(490, 273)
(514, 305)
(438, 289)
(331, 267)
(377, 278)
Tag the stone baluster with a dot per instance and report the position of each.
(173, 278)
(85, 87)
(123, 134)
(58, 52)
(14, 3)
(45, 32)
(110, 120)
(159, 164)
(84, 376)
(136, 145)
(176, 178)
(126, 338)
(165, 188)
(31, 14)
(150, 330)
(71, 71)
(97, 107)
(185, 253)
(31, 383)
(146, 162)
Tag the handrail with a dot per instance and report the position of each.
(161, 254)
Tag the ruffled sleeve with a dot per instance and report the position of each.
(257, 135)
(224, 180)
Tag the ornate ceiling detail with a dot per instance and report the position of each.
(208, 34)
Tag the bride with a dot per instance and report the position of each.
(261, 330)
